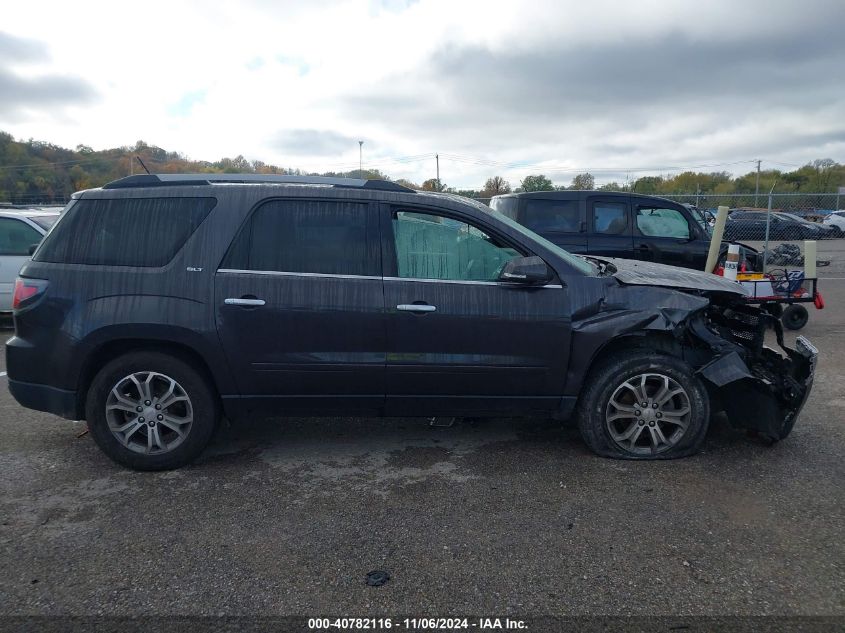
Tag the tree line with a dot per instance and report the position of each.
(33, 172)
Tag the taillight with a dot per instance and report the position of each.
(26, 290)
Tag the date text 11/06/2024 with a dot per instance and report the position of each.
(415, 624)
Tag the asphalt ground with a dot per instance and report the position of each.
(505, 517)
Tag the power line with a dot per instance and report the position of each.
(555, 168)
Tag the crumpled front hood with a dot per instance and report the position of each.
(639, 273)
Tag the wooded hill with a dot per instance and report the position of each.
(35, 172)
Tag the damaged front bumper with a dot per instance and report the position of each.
(759, 388)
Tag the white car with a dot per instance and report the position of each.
(20, 229)
(837, 221)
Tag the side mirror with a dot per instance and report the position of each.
(526, 270)
(32, 249)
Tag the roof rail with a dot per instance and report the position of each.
(164, 180)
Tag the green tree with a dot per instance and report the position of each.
(433, 184)
(796, 179)
(611, 186)
(536, 183)
(583, 181)
(823, 171)
(648, 184)
(495, 186)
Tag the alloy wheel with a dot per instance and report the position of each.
(149, 412)
(648, 414)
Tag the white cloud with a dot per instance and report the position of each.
(561, 85)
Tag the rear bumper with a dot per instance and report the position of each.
(45, 398)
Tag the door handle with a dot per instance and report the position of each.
(415, 307)
(244, 302)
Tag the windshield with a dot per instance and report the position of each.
(794, 218)
(579, 263)
(701, 218)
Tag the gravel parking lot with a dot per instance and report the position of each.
(504, 517)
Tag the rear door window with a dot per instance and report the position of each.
(16, 236)
(309, 236)
(143, 232)
(552, 216)
(610, 218)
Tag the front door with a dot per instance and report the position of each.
(300, 308)
(664, 235)
(460, 341)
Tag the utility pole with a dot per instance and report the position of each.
(360, 159)
(757, 188)
(437, 159)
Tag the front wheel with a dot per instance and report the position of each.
(151, 411)
(643, 405)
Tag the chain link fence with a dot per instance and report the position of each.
(779, 224)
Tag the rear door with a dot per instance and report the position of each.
(300, 307)
(16, 236)
(561, 221)
(460, 341)
(663, 234)
(609, 226)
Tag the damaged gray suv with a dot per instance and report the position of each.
(158, 304)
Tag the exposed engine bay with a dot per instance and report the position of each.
(759, 388)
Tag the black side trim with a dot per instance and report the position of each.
(53, 400)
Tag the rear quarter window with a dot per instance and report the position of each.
(558, 216)
(143, 232)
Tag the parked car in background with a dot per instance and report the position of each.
(751, 225)
(614, 224)
(159, 302)
(836, 219)
(825, 232)
(20, 230)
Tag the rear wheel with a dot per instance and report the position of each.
(151, 411)
(643, 405)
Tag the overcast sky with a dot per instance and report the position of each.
(507, 88)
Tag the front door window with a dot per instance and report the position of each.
(437, 247)
(660, 222)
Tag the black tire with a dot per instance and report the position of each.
(202, 399)
(795, 317)
(608, 377)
